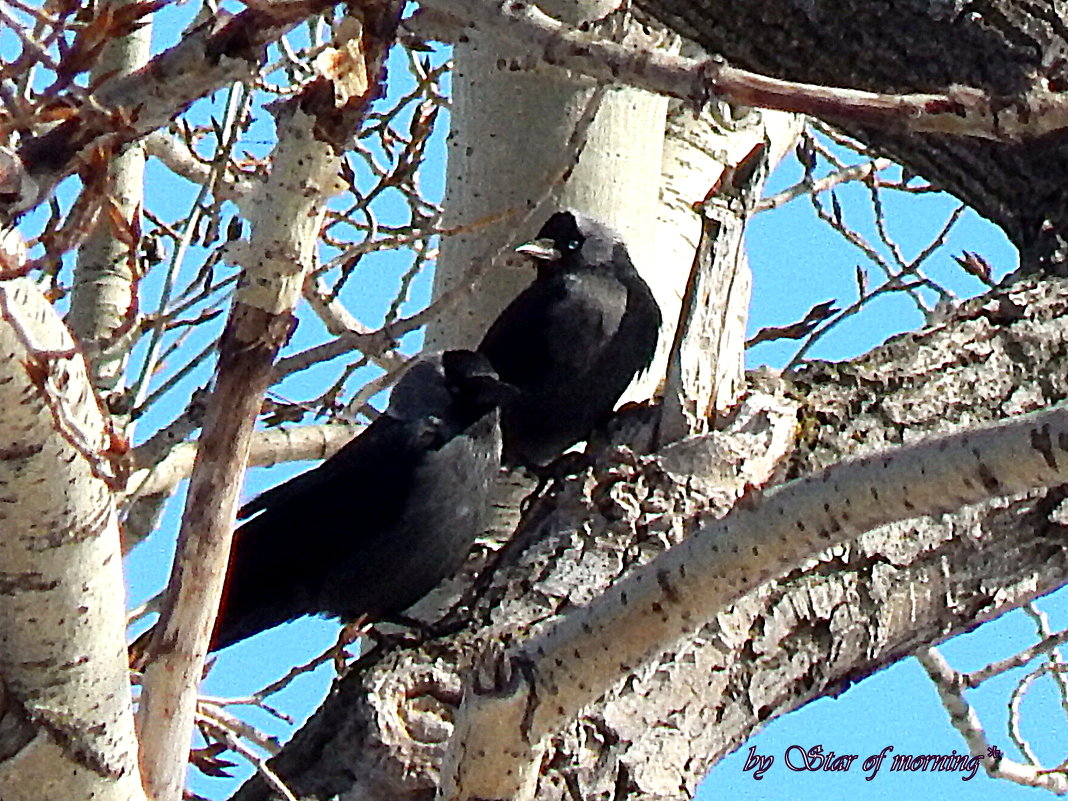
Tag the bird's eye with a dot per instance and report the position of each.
(574, 244)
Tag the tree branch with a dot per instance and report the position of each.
(222, 50)
(960, 110)
(268, 447)
(286, 216)
(518, 700)
(62, 621)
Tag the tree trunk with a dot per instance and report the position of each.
(66, 722)
(515, 137)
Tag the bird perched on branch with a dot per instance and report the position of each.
(571, 341)
(378, 525)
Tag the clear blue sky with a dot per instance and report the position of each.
(797, 262)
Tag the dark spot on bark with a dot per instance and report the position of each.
(1042, 442)
(53, 151)
(21, 451)
(238, 37)
(987, 478)
(71, 738)
(667, 587)
(11, 583)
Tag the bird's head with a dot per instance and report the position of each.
(474, 382)
(570, 241)
(458, 386)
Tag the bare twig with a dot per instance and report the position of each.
(963, 110)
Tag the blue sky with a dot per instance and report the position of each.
(797, 262)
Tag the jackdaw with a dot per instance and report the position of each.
(383, 521)
(571, 341)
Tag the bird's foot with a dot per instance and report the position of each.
(413, 631)
(569, 464)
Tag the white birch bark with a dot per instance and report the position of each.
(62, 616)
(103, 290)
(507, 154)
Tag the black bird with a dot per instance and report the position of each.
(571, 341)
(377, 526)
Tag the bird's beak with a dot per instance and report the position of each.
(543, 249)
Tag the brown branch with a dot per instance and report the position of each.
(855, 172)
(960, 110)
(222, 50)
(287, 215)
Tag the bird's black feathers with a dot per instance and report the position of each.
(378, 525)
(572, 341)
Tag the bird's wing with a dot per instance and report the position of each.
(281, 557)
(357, 468)
(355, 473)
(282, 493)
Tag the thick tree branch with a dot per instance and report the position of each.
(961, 111)
(286, 218)
(874, 47)
(62, 621)
(538, 688)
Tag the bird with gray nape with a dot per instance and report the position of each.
(573, 340)
(383, 521)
